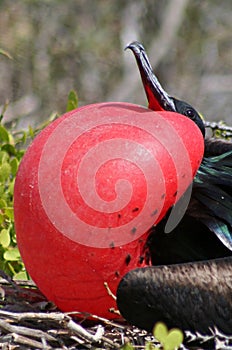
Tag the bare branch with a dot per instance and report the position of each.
(35, 333)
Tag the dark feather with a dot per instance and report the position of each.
(184, 296)
(212, 190)
(190, 241)
(216, 147)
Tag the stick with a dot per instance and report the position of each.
(25, 331)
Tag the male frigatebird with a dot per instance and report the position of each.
(191, 285)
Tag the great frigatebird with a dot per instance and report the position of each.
(191, 285)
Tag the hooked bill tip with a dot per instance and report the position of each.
(135, 46)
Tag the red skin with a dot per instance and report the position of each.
(71, 274)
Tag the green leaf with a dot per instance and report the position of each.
(9, 212)
(4, 136)
(4, 157)
(2, 218)
(23, 137)
(3, 203)
(14, 163)
(2, 191)
(72, 101)
(10, 149)
(12, 254)
(5, 170)
(20, 154)
(11, 187)
(22, 275)
(160, 332)
(5, 238)
(31, 132)
(174, 339)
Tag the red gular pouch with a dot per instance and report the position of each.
(89, 187)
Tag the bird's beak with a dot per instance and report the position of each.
(157, 97)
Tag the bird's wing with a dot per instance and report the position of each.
(212, 188)
(216, 146)
(182, 295)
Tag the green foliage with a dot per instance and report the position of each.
(72, 101)
(11, 153)
(169, 340)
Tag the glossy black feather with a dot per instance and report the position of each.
(212, 192)
(190, 241)
(192, 296)
(216, 147)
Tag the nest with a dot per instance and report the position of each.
(29, 321)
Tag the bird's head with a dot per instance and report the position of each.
(158, 99)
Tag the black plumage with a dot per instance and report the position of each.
(193, 296)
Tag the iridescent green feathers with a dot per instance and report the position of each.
(213, 189)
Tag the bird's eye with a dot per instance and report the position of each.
(190, 113)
